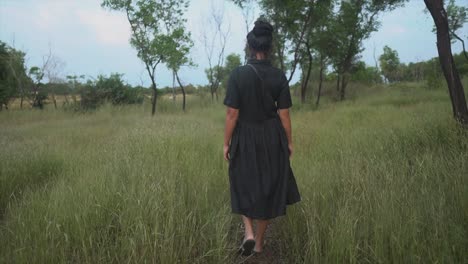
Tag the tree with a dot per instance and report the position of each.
(457, 16)
(7, 80)
(321, 41)
(390, 63)
(178, 57)
(232, 61)
(36, 74)
(457, 94)
(14, 74)
(215, 36)
(315, 43)
(73, 85)
(154, 25)
(355, 21)
(52, 72)
(38, 95)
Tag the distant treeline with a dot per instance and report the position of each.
(39, 85)
(36, 86)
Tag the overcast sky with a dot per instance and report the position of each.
(95, 41)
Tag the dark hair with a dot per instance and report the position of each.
(261, 37)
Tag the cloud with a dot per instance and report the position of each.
(51, 15)
(395, 29)
(109, 28)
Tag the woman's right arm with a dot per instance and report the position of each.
(286, 121)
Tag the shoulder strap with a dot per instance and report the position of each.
(256, 72)
(265, 96)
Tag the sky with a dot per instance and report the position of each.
(92, 40)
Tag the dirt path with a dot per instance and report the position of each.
(271, 251)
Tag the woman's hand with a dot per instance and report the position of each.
(226, 152)
(286, 122)
(231, 119)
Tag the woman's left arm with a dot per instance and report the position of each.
(231, 119)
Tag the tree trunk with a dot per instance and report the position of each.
(21, 100)
(173, 86)
(305, 83)
(215, 90)
(55, 101)
(320, 82)
(307, 78)
(302, 82)
(280, 58)
(212, 92)
(301, 37)
(183, 91)
(457, 94)
(338, 82)
(344, 84)
(153, 99)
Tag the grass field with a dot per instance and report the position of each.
(383, 179)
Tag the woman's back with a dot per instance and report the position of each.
(245, 91)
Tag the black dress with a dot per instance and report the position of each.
(261, 180)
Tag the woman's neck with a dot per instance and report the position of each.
(260, 56)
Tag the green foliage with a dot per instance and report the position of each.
(457, 16)
(57, 88)
(12, 73)
(222, 72)
(110, 89)
(181, 45)
(365, 74)
(434, 77)
(214, 73)
(36, 74)
(426, 71)
(232, 61)
(38, 94)
(390, 64)
(289, 20)
(461, 63)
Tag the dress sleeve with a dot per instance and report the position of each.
(284, 98)
(232, 98)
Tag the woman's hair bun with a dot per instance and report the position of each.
(261, 36)
(262, 28)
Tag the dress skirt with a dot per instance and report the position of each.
(261, 180)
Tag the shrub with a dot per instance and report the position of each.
(109, 89)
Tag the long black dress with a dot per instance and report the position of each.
(261, 180)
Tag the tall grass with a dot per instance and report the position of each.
(383, 179)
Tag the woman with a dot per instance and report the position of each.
(257, 140)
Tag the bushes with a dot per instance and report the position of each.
(109, 89)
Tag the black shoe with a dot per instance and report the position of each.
(246, 248)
